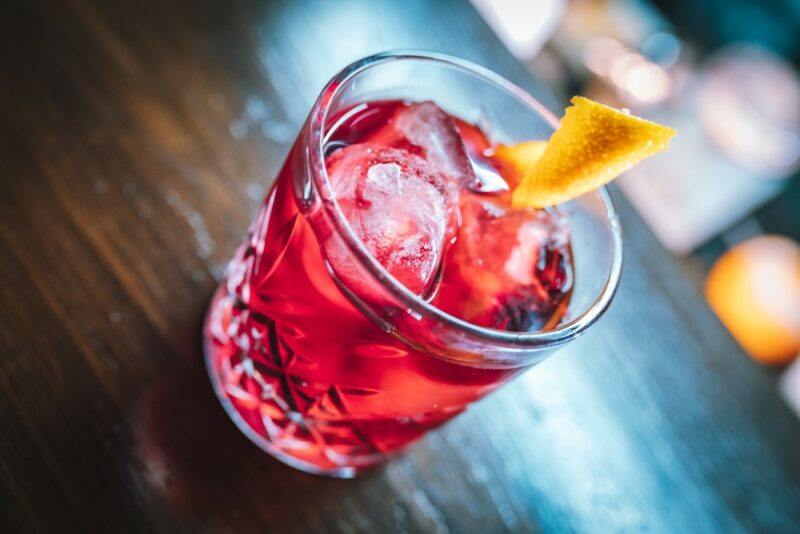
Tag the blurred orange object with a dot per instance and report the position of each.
(754, 288)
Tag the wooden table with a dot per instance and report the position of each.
(137, 141)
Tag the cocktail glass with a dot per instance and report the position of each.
(322, 357)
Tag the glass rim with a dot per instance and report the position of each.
(317, 125)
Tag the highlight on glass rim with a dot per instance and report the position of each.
(452, 266)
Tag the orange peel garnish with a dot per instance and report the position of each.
(518, 159)
(593, 145)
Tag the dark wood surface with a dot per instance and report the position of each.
(137, 141)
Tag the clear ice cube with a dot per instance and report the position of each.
(426, 130)
(398, 205)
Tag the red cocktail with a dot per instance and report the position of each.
(386, 282)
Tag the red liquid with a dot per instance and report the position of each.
(315, 381)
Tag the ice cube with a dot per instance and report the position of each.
(509, 269)
(398, 205)
(424, 129)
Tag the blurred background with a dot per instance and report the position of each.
(139, 139)
(725, 200)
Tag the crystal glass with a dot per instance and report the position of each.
(331, 378)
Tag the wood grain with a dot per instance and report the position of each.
(138, 139)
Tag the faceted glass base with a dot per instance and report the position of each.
(347, 468)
